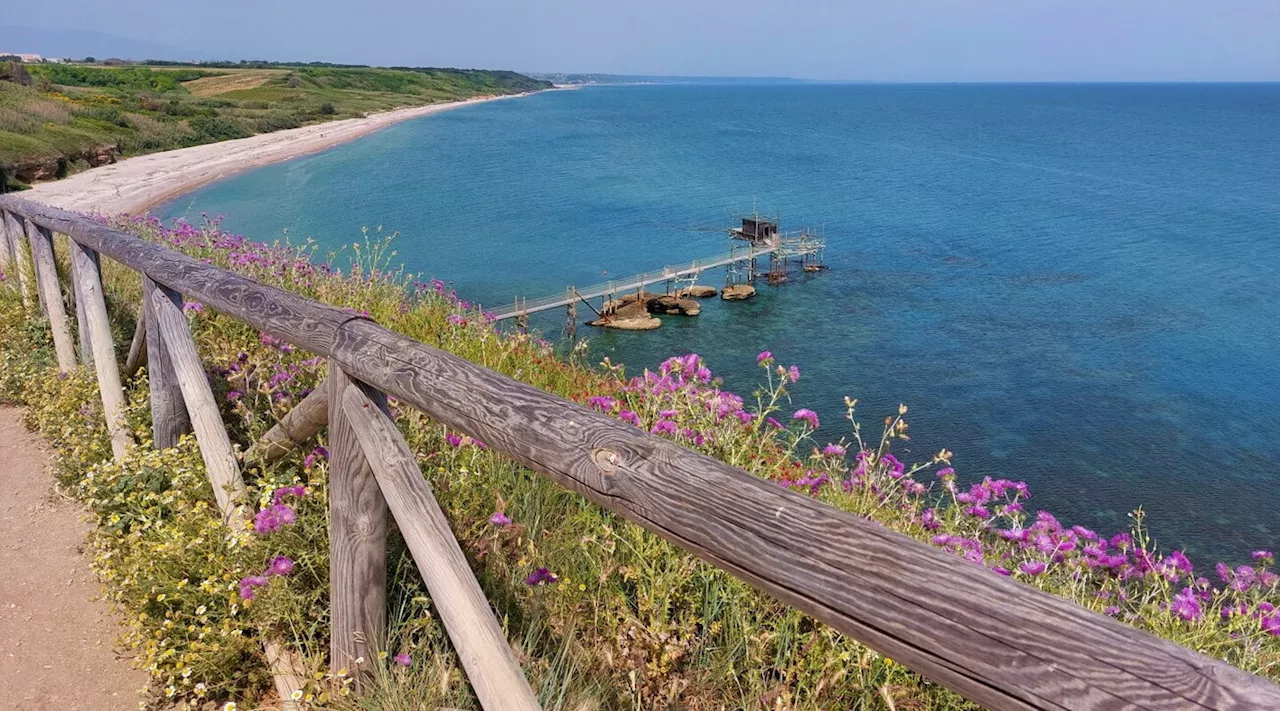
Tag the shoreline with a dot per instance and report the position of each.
(137, 184)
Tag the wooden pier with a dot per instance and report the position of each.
(761, 238)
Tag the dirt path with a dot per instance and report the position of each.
(57, 640)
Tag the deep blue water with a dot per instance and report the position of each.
(1077, 286)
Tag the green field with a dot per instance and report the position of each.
(65, 118)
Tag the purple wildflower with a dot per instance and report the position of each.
(793, 374)
(453, 440)
(234, 395)
(664, 427)
(403, 659)
(765, 358)
(629, 416)
(249, 583)
(807, 415)
(280, 565)
(1271, 624)
(1185, 605)
(541, 576)
(500, 519)
(833, 450)
(1032, 567)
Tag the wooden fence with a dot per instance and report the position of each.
(995, 641)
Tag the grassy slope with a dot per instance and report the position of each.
(630, 622)
(74, 110)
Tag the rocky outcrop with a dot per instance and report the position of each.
(644, 323)
(673, 306)
(697, 291)
(738, 292)
(32, 170)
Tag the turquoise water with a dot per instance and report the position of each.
(1071, 285)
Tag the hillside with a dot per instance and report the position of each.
(65, 118)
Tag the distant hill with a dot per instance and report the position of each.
(56, 119)
(587, 78)
(78, 44)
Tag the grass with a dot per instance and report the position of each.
(601, 614)
(73, 112)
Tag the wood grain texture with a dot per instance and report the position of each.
(206, 420)
(84, 348)
(482, 647)
(1000, 643)
(46, 269)
(304, 323)
(13, 228)
(138, 346)
(6, 251)
(169, 419)
(298, 425)
(97, 329)
(357, 544)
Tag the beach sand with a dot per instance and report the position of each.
(134, 185)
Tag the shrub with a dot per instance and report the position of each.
(208, 129)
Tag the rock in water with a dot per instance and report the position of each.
(673, 306)
(697, 291)
(738, 292)
(645, 323)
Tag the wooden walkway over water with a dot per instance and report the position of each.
(634, 283)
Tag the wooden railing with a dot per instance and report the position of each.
(995, 641)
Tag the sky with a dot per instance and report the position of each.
(876, 40)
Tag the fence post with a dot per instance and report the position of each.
(13, 230)
(482, 647)
(169, 419)
(96, 330)
(6, 251)
(357, 542)
(206, 419)
(47, 279)
(299, 424)
(138, 346)
(79, 284)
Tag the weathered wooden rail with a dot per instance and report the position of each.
(993, 640)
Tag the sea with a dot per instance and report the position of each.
(1076, 286)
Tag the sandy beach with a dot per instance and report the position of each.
(134, 185)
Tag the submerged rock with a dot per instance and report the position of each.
(644, 323)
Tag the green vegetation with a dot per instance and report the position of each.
(603, 614)
(56, 119)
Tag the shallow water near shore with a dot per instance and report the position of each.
(1072, 285)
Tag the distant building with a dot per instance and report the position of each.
(28, 58)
